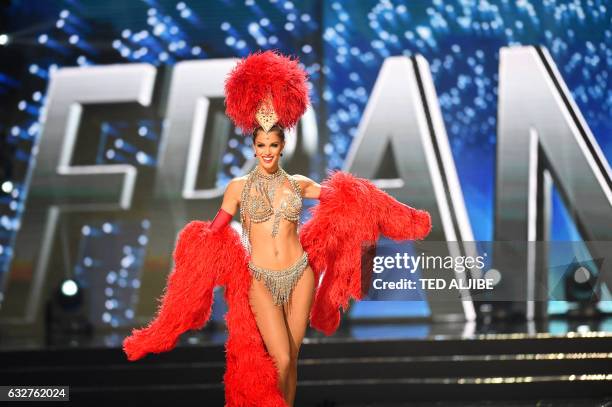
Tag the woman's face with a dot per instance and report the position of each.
(268, 147)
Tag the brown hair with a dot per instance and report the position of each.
(276, 128)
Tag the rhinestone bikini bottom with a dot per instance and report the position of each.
(280, 283)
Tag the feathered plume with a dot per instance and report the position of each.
(263, 74)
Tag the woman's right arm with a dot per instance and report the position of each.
(229, 207)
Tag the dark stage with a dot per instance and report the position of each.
(390, 364)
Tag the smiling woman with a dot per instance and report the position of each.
(276, 145)
(271, 287)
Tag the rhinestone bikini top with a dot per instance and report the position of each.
(258, 199)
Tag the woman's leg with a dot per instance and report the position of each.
(271, 323)
(297, 311)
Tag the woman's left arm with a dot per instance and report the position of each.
(310, 188)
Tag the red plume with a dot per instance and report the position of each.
(259, 73)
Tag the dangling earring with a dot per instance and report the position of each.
(281, 154)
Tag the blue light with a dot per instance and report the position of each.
(253, 29)
(33, 130)
(159, 29)
(144, 159)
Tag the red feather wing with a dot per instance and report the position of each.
(344, 227)
(201, 259)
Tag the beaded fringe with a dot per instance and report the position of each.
(280, 283)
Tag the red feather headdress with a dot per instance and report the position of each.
(266, 88)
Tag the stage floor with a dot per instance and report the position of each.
(373, 364)
(216, 334)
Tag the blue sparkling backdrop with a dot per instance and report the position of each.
(342, 46)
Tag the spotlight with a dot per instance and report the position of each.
(67, 310)
(4, 39)
(582, 287)
(69, 296)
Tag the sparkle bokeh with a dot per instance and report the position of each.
(341, 44)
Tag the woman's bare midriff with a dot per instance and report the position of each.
(276, 253)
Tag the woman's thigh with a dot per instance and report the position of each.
(270, 321)
(297, 309)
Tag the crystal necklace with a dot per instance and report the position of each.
(266, 184)
(261, 206)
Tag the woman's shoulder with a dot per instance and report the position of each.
(302, 180)
(310, 188)
(234, 187)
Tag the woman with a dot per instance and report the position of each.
(276, 278)
(281, 314)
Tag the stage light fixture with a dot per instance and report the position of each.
(66, 310)
(582, 288)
